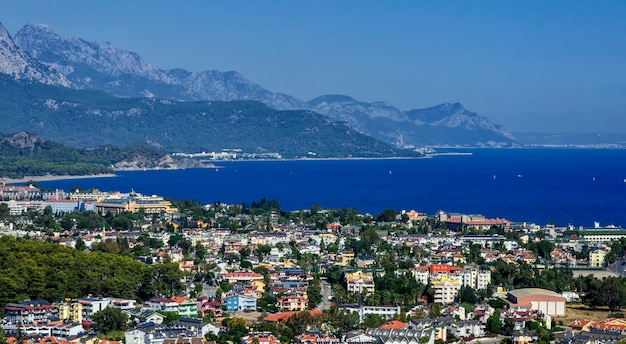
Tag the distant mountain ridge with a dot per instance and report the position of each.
(87, 118)
(448, 124)
(101, 66)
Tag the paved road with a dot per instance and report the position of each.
(619, 267)
(326, 293)
(208, 291)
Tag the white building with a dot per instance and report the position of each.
(385, 312)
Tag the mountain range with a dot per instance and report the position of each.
(37, 54)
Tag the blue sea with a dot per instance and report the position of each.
(562, 186)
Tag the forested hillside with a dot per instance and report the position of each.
(40, 270)
(24, 154)
(81, 118)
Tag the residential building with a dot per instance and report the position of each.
(467, 329)
(143, 315)
(360, 282)
(364, 261)
(163, 304)
(404, 336)
(601, 235)
(358, 337)
(71, 311)
(186, 308)
(260, 338)
(473, 277)
(346, 257)
(446, 289)
(205, 306)
(293, 303)
(241, 277)
(596, 258)
(316, 337)
(18, 207)
(28, 312)
(385, 312)
(91, 305)
(239, 302)
(151, 333)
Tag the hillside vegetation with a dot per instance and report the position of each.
(90, 119)
(23, 154)
(40, 270)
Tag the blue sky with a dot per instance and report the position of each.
(551, 66)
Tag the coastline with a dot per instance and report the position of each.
(46, 178)
(50, 178)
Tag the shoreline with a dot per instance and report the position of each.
(47, 178)
(51, 178)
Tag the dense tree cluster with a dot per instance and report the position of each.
(40, 270)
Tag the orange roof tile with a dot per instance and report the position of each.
(393, 325)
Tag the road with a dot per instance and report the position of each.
(208, 291)
(326, 293)
(618, 268)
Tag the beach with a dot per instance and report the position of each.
(51, 177)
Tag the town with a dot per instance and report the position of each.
(90, 266)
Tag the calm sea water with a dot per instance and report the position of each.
(536, 185)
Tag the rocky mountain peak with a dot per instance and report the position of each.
(4, 34)
(20, 66)
(40, 42)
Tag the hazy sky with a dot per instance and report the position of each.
(555, 66)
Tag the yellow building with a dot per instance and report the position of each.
(360, 282)
(260, 285)
(596, 258)
(94, 195)
(70, 311)
(346, 257)
(289, 263)
(328, 237)
(446, 289)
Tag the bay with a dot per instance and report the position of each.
(561, 186)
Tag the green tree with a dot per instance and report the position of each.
(494, 325)
(467, 294)
(107, 246)
(3, 340)
(434, 310)
(80, 244)
(372, 321)
(4, 211)
(613, 293)
(387, 215)
(110, 319)
(314, 292)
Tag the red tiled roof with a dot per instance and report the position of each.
(393, 325)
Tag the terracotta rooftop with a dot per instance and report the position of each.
(394, 324)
